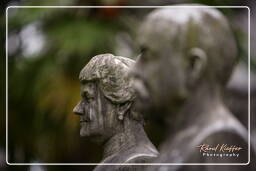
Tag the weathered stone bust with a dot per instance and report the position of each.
(182, 77)
(107, 113)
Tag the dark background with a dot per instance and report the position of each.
(47, 49)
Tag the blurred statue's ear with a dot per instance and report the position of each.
(122, 109)
(197, 63)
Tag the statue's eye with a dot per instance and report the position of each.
(87, 96)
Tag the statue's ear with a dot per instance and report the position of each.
(122, 109)
(197, 63)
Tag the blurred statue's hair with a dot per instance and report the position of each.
(204, 27)
(112, 75)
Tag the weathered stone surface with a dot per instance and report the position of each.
(107, 113)
(182, 78)
(112, 74)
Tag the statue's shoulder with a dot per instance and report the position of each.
(137, 154)
(223, 141)
(184, 146)
(144, 153)
(220, 146)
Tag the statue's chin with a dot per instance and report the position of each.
(83, 134)
(94, 137)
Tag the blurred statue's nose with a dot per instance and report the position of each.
(78, 109)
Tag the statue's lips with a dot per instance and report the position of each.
(84, 123)
(84, 120)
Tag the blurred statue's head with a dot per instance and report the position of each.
(182, 48)
(107, 96)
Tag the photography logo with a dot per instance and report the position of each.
(219, 150)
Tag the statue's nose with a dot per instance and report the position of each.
(78, 109)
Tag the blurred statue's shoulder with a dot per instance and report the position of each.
(140, 153)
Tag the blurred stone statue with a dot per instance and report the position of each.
(187, 58)
(107, 113)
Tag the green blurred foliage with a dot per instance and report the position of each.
(44, 88)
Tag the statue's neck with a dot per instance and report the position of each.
(126, 139)
(202, 103)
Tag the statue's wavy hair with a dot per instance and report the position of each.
(113, 78)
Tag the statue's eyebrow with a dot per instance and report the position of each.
(83, 81)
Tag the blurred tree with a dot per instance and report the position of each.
(43, 85)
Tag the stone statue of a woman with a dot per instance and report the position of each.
(107, 113)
